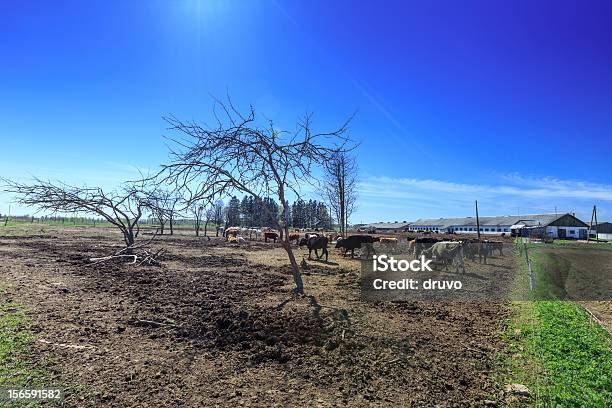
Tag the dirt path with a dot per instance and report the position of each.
(212, 328)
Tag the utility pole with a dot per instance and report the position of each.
(596, 233)
(593, 217)
(477, 221)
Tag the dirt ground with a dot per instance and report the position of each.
(216, 325)
(585, 275)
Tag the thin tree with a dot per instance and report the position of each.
(240, 154)
(218, 215)
(172, 210)
(122, 208)
(158, 201)
(199, 211)
(340, 187)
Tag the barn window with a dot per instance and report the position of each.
(572, 232)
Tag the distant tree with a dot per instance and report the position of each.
(172, 210)
(240, 154)
(158, 201)
(233, 212)
(299, 213)
(288, 215)
(199, 211)
(340, 187)
(209, 215)
(323, 218)
(247, 211)
(271, 212)
(218, 217)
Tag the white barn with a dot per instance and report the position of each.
(553, 225)
(603, 231)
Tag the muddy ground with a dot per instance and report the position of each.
(216, 325)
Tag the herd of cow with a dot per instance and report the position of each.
(453, 252)
(445, 251)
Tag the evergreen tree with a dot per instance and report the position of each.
(298, 214)
(233, 212)
(246, 211)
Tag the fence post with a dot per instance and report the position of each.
(531, 276)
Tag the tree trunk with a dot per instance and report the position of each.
(295, 269)
(205, 228)
(129, 240)
(197, 228)
(171, 226)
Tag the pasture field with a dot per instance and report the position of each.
(556, 347)
(216, 325)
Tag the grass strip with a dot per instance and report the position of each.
(558, 352)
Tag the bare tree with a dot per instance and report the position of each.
(122, 209)
(162, 204)
(201, 212)
(209, 215)
(218, 214)
(257, 159)
(172, 210)
(340, 187)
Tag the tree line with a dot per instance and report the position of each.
(249, 212)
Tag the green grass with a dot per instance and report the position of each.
(572, 243)
(554, 349)
(16, 370)
(564, 359)
(15, 338)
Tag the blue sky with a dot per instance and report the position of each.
(505, 102)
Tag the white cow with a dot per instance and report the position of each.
(447, 252)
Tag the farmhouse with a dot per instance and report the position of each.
(603, 231)
(551, 225)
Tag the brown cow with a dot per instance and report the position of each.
(294, 237)
(231, 232)
(388, 240)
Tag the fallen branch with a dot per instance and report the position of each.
(145, 257)
(64, 345)
(110, 257)
(152, 323)
(151, 259)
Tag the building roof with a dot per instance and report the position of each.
(530, 220)
(386, 225)
(603, 228)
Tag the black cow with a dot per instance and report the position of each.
(418, 245)
(354, 241)
(315, 243)
(475, 247)
(496, 246)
